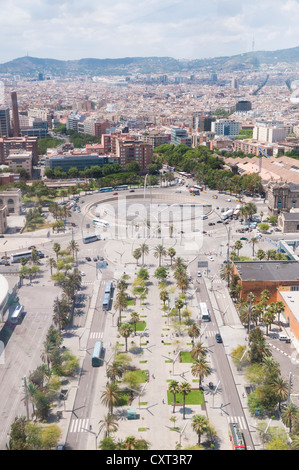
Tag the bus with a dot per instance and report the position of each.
(185, 175)
(123, 187)
(107, 296)
(16, 257)
(16, 314)
(198, 187)
(106, 190)
(91, 238)
(227, 214)
(100, 223)
(96, 360)
(205, 315)
(236, 437)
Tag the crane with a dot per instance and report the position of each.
(261, 153)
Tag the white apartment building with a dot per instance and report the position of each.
(270, 131)
(227, 127)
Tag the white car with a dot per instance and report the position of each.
(211, 258)
(228, 200)
(82, 273)
(199, 274)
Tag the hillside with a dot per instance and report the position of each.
(31, 66)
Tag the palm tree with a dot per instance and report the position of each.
(174, 388)
(134, 319)
(74, 248)
(164, 296)
(281, 388)
(199, 350)
(179, 263)
(131, 443)
(52, 263)
(110, 396)
(200, 425)
(56, 248)
(200, 369)
(144, 251)
(184, 389)
(193, 332)
(120, 303)
(159, 252)
(114, 371)
(238, 246)
(109, 423)
(171, 253)
(137, 254)
(126, 330)
(289, 415)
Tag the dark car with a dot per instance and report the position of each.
(244, 238)
(211, 223)
(88, 258)
(132, 190)
(218, 338)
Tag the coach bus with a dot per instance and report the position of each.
(96, 360)
(205, 315)
(123, 187)
(16, 257)
(107, 296)
(100, 223)
(91, 238)
(106, 190)
(236, 437)
(16, 314)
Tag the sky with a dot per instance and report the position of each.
(182, 29)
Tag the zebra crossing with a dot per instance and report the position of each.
(237, 419)
(96, 335)
(79, 425)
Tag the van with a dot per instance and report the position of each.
(283, 337)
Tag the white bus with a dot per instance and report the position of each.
(91, 238)
(100, 223)
(205, 315)
(16, 257)
(16, 314)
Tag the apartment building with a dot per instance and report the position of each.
(227, 127)
(270, 131)
(180, 136)
(155, 138)
(5, 129)
(20, 159)
(82, 161)
(133, 151)
(26, 143)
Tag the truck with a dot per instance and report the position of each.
(225, 215)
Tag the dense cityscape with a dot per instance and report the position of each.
(149, 233)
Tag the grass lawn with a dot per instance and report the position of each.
(130, 302)
(195, 397)
(186, 357)
(140, 326)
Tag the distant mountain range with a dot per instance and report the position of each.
(32, 66)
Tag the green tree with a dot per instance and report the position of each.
(200, 425)
(184, 389)
(125, 330)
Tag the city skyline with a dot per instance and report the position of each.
(180, 29)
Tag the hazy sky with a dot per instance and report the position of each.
(74, 29)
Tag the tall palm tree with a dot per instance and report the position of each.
(120, 303)
(200, 369)
(253, 242)
(184, 389)
(289, 415)
(56, 248)
(159, 252)
(137, 254)
(179, 303)
(193, 332)
(200, 425)
(52, 263)
(174, 388)
(74, 248)
(126, 330)
(109, 423)
(114, 371)
(281, 388)
(199, 350)
(144, 251)
(134, 319)
(171, 253)
(110, 396)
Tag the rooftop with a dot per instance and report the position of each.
(268, 270)
(291, 298)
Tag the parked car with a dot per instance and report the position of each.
(211, 258)
(199, 274)
(88, 258)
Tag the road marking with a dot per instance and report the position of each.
(79, 425)
(238, 419)
(96, 334)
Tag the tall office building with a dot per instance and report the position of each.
(15, 115)
(4, 122)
